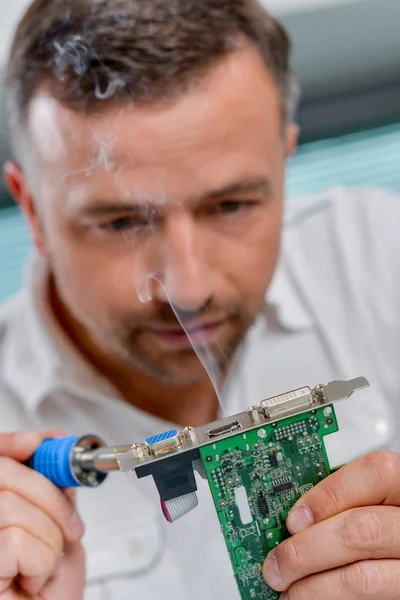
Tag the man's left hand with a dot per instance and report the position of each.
(346, 536)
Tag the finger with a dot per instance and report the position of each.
(17, 512)
(65, 587)
(367, 481)
(23, 554)
(357, 534)
(71, 495)
(54, 432)
(20, 445)
(366, 580)
(37, 490)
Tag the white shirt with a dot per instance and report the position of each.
(331, 313)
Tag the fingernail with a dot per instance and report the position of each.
(299, 519)
(272, 572)
(77, 527)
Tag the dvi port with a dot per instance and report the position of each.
(283, 404)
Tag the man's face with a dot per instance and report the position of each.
(170, 210)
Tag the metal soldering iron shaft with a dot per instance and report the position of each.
(100, 459)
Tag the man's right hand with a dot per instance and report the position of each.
(41, 556)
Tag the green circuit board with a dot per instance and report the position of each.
(255, 478)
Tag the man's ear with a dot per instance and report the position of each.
(292, 139)
(21, 192)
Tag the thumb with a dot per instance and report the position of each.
(21, 445)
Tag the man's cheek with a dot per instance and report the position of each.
(83, 291)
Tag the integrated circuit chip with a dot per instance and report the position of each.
(263, 505)
(273, 460)
(282, 487)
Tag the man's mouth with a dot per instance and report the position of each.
(190, 334)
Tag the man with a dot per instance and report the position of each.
(150, 140)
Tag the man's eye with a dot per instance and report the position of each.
(232, 206)
(125, 224)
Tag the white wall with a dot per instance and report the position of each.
(283, 7)
(10, 12)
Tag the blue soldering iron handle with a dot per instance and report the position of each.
(53, 459)
(61, 461)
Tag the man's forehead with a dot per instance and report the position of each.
(55, 130)
(147, 135)
(216, 136)
(45, 128)
(235, 101)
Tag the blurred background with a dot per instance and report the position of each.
(346, 56)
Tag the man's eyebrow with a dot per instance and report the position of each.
(259, 186)
(104, 209)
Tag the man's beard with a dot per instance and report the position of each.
(180, 367)
(195, 364)
(121, 336)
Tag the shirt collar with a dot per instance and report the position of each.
(40, 360)
(283, 302)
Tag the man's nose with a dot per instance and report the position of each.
(187, 282)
